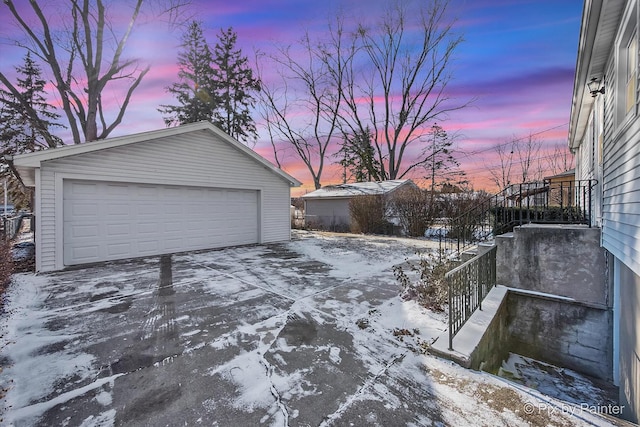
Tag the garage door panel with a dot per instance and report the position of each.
(115, 230)
(83, 187)
(118, 209)
(84, 253)
(118, 190)
(148, 228)
(119, 249)
(80, 231)
(88, 210)
(104, 221)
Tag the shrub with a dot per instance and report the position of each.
(429, 288)
(414, 210)
(6, 264)
(369, 215)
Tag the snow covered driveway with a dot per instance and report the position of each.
(304, 333)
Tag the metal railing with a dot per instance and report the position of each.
(468, 284)
(548, 201)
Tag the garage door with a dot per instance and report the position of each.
(108, 220)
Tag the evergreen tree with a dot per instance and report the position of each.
(194, 92)
(28, 134)
(233, 83)
(358, 158)
(21, 132)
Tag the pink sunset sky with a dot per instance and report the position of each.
(517, 63)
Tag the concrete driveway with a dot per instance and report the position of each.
(305, 333)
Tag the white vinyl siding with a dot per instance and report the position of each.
(621, 149)
(195, 159)
(621, 197)
(328, 213)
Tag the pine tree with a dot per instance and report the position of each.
(194, 91)
(233, 84)
(28, 134)
(358, 158)
(19, 131)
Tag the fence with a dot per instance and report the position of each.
(554, 202)
(468, 284)
(11, 226)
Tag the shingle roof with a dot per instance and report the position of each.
(358, 189)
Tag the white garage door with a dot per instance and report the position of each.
(108, 220)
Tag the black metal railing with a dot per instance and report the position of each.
(548, 201)
(468, 284)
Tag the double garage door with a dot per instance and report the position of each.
(109, 220)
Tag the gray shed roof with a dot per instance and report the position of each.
(358, 189)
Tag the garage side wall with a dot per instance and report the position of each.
(328, 214)
(193, 159)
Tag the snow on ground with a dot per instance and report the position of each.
(310, 332)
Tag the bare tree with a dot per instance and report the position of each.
(81, 61)
(560, 159)
(302, 109)
(388, 80)
(530, 164)
(502, 173)
(403, 85)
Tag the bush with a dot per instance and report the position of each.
(6, 264)
(414, 210)
(430, 288)
(369, 215)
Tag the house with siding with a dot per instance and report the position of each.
(604, 134)
(177, 189)
(328, 207)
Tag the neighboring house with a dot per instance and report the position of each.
(177, 189)
(604, 133)
(562, 188)
(328, 207)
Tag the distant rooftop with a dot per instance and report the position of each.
(570, 172)
(358, 189)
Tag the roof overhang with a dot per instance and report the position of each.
(26, 164)
(600, 20)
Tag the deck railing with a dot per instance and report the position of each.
(468, 284)
(552, 202)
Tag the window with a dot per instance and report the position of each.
(625, 79)
(631, 59)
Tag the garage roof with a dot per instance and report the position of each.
(25, 164)
(358, 189)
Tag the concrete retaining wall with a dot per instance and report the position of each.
(564, 260)
(561, 332)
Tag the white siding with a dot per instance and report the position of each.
(328, 213)
(193, 159)
(621, 197)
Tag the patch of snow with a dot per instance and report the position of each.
(36, 371)
(107, 418)
(334, 355)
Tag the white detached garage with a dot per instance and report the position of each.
(173, 190)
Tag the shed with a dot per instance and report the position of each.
(328, 207)
(172, 190)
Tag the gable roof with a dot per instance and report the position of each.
(358, 189)
(25, 164)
